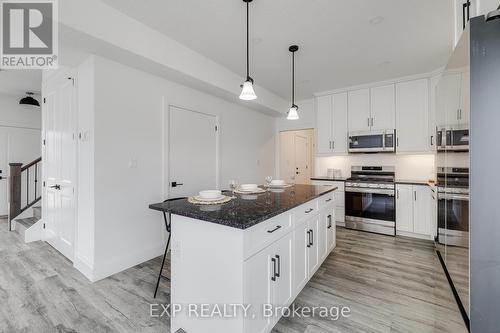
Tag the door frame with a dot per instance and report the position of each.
(166, 154)
(62, 74)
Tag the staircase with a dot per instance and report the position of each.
(25, 194)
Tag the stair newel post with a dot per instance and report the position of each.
(14, 191)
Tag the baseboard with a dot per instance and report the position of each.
(414, 235)
(130, 259)
(34, 233)
(340, 224)
(84, 268)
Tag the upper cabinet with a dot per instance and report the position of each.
(331, 124)
(359, 110)
(412, 116)
(452, 100)
(383, 108)
(372, 109)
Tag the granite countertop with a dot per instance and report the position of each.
(341, 179)
(247, 210)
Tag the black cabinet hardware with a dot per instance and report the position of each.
(277, 227)
(175, 184)
(273, 278)
(328, 200)
(329, 221)
(308, 238)
(56, 187)
(312, 238)
(309, 210)
(279, 266)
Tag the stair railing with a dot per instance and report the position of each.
(24, 190)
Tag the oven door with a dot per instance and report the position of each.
(370, 204)
(453, 219)
(460, 140)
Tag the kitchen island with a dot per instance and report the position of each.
(235, 265)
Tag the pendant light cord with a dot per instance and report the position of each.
(248, 44)
(293, 78)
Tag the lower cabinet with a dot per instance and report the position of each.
(326, 232)
(414, 210)
(269, 282)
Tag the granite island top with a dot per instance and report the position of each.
(247, 210)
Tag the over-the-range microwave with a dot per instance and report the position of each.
(372, 141)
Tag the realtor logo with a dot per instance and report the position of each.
(29, 34)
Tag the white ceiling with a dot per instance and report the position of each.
(17, 82)
(339, 47)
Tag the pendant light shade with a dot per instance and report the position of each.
(247, 92)
(28, 100)
(293, 113)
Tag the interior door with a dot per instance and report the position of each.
(287, 156)
(193, 152)
(59, 112)
(302, 170)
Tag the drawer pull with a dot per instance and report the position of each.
(279, 266)
(277, 227)
(308, 238)
(273, 278)
(309, 210)
(329, 222)
(328, 200)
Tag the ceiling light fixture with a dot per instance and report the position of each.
(376, 20)
(29, 100)
(292, 113)
(247, 92)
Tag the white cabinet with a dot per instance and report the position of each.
(331, 126)
(383, 108)
(359, 110)
(324, 116)
(326, 241)
(448, 99)
(414, 211)
(300, 254)
(312, 245)
(412, 112)
(269, 281)
(339, 198)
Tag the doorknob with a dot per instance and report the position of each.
(175, 184)
(56, 187)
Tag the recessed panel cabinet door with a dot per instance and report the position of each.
(313, 253)
(324, 216)
(283, 292)
(324, 124)
(331, 231)
(339, 125)
(404, 208)
(422, 216)
(301, 268)
(412, 114)
(359, 110)
(383, 108)
(258, 270)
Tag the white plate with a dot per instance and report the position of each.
(258, 189)
(197, 197)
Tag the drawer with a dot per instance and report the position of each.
(339, 184)
(339, 199)
(326, 200)
(306, 210)
(261, 235)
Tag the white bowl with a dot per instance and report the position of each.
(278, 182)
(249, 187)
(210, 194)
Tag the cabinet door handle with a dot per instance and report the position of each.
(309, 210)
(415, 195)
(277, 227)
(333, 145)
(328, 200)
(279, 266)
(397, 194)
(308, 238)
(432, 140)
(368, 121)
(372, 121)
(329, 222)
(273, 278)
(312, 238)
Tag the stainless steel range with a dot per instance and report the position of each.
(453, 206)
(370, 199)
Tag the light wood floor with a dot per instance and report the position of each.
(390, 285)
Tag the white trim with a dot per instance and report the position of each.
(413, 235)
(83, 267)
(381, 83)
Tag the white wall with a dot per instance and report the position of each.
(413, 167)
(129, 106)
(19, 138)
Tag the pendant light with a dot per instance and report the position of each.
(29, 100)
(292, 113)
(247, 92)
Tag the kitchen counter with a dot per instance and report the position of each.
(247, 210)
(341, 179)
(413, 182)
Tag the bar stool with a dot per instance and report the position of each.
(168, 225)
